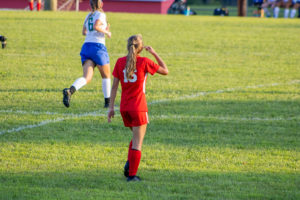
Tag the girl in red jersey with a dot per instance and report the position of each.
(132, 72)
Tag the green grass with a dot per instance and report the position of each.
(239, 139)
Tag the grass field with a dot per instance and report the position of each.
(224, 124)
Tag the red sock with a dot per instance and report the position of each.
(130, 146)
(134, 161)
(31, 5)
(38, 6)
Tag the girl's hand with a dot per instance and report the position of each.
(149, 49)
(108, 34)
(111, 114)
(108, 26)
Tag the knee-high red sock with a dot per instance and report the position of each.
(134, 161)
(130, 146)
(38, 6)
(31, 5)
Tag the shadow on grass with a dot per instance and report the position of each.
(110, 184)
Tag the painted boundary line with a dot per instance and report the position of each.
(96, 113)
(223, 91)
(195, 53)
(59, 119)
(153, 117)
(223, 118)
(51, 113)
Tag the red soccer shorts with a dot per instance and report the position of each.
(133, 118)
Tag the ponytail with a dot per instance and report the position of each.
(134, 47)
(130, 62)
(95, 5)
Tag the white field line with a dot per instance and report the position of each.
(20, 128)
(114, 54)
(223, 91)
(43, 113)
(42, 54)
(222, 118)
(42, 123)
(199, 117)
(154, 117)
(69, 116)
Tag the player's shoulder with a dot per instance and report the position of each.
(121, 61)
(100, 13)
(143, 59)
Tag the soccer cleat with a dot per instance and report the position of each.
(126, 169)
(67, 97)
(106, 102)
(133, 178)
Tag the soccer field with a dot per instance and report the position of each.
(224, 124)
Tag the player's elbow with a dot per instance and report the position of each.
(166, 72)
(163, 70)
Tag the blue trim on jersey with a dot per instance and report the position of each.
(96, 52)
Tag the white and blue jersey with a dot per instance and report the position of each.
(94, 44)
(296, 1)
(91, 34)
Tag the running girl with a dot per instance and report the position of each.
(132, 72)
(93, 53)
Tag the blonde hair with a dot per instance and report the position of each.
(134, 47)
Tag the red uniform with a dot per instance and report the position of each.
(133, 100)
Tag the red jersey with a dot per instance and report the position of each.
(133, 90)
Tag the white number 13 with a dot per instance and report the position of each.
(134, 77)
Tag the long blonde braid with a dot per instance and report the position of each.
(134, 47)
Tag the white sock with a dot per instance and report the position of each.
(286, 13)
(106, 87)
(79, 83)
(293, 13)
(276, 12)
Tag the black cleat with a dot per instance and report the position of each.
(126, 169)
(106, 102)
(133, 178)
(67, 97)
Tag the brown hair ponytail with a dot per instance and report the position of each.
(96, 5)
(134, 47)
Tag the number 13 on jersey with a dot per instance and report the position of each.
(134, 77)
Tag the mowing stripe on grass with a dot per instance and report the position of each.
(70, 116)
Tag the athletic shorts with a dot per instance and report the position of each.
(96, 52)
(133, 118)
